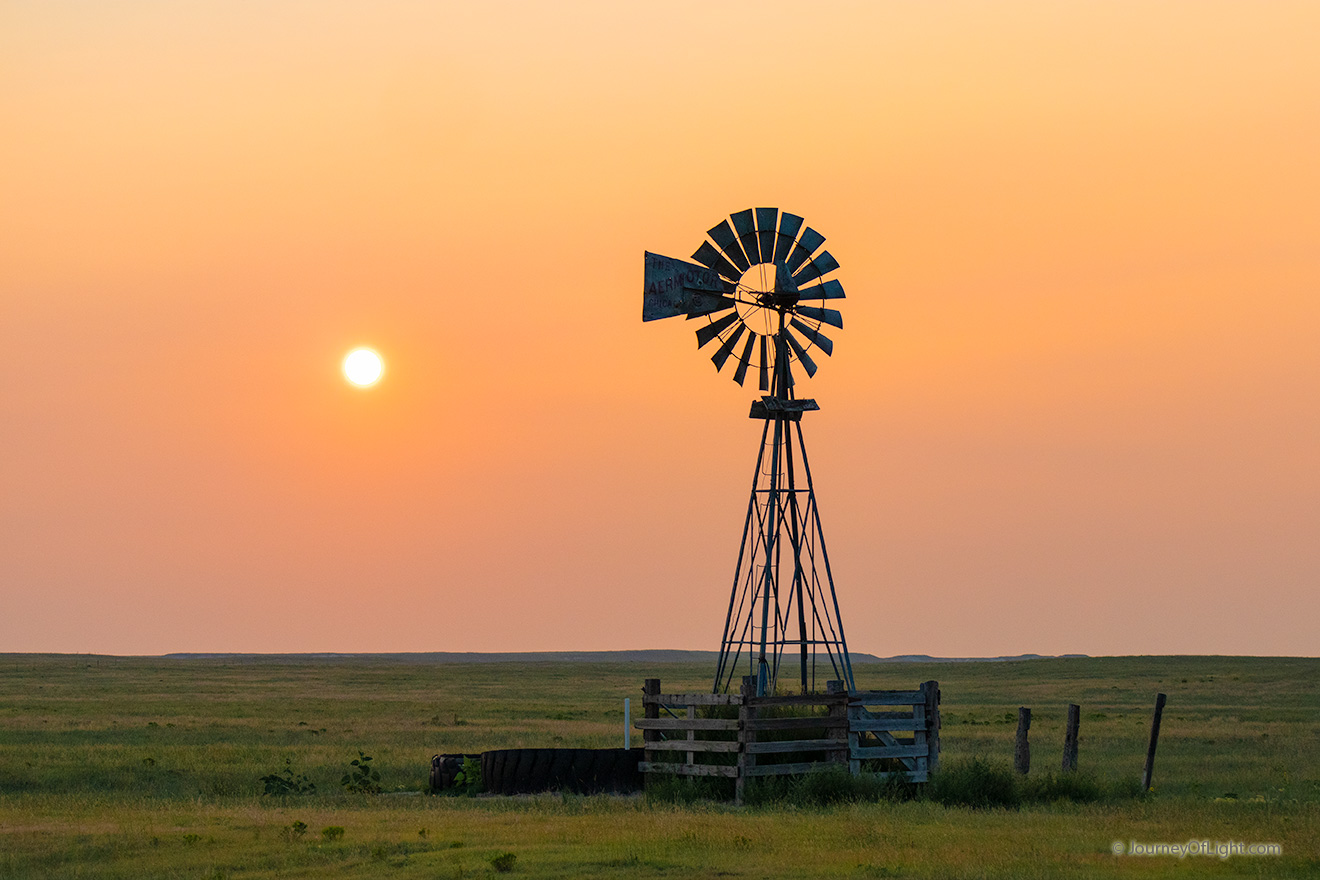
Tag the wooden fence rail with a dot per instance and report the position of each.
(890, 733)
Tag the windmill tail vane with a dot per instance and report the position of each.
(754, 283)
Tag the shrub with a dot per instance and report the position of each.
(361, 778)
(468, 779)
(332, 832)
(293, 832)
(285, 783)
(503, 863)
(975, 783)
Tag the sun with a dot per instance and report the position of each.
(363, 367)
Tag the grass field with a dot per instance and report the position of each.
(150, 767)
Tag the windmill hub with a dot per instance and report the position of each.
(752, 282)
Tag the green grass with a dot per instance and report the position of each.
(137, 767)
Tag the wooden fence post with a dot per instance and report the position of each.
(745, 761)
(1154, 738)
(1022, 753)
(650, 709)
(1070, 738)
(931, 691)
(838, 713)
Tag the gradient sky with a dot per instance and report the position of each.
(1075, 408)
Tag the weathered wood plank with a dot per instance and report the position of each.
(908, 724)
(693, 745)
(686, 724)
(859, 712)
(788, 769)
(688, 769)
(886, 698)
(674, 701)
(794, 745)
(797, 700)
(889, 752)
(820, 721)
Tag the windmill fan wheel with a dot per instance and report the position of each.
(762, 284)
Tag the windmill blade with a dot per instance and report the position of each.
(742, 222)
(766, 220)
(789, 224)
(726, 348)
(715, 328)
(744, 359)
(807, 245)
(707, 256)
(802, 354)
(765, 366)
(814, 336)
(827, 290)
(820, 265)
(825, 316)
(723, 236)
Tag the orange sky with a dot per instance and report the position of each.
(1075, 408)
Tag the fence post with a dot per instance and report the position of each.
(838, 713)
(931, 691)
(1022, 753)
(745, 761)
(650, 709)
(1154, 738)
(1070, 738)
(627, 722)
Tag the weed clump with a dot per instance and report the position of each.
(286, 783)
(975, 783)
(361, 777)
(1080, 788)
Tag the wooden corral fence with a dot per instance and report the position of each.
(890, 733)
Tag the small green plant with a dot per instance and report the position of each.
(191, 839)
(294, 831)
(361, 777)
(285, 783)
(332, 832)
(503, 863)
(468, 779)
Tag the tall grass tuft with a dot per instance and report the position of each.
(975, 782)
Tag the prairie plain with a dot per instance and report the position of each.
(152, 767)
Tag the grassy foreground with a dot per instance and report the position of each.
(146, 767)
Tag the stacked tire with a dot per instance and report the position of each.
(584, 771)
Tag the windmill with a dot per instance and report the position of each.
(760, 284)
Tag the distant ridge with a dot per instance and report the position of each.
(658, 655)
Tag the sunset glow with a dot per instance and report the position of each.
(1076, 407)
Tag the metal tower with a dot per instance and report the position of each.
(752, 279)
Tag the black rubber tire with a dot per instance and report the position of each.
(630, 777)
(487, 770)
(561, 770)
(499, 779)
(539, 777)
(512, 772)
(582, 770)
(606, 759)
